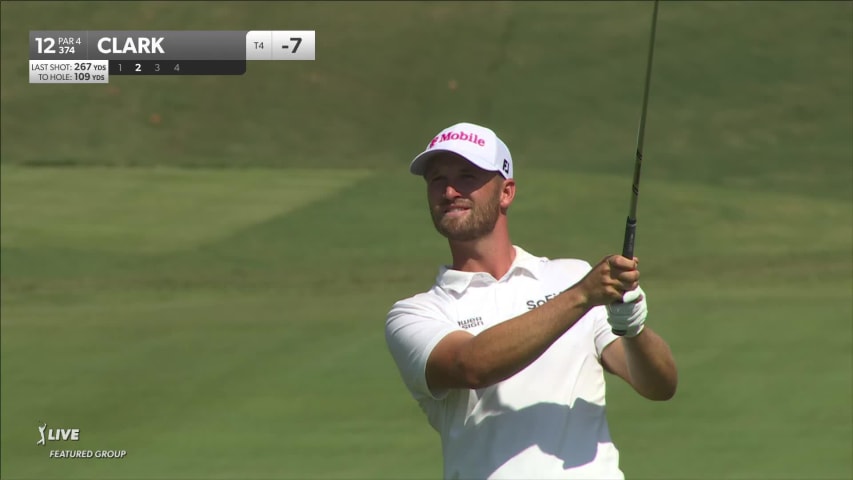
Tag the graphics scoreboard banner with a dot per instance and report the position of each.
(75, 56)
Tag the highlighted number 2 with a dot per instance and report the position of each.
(298, 41)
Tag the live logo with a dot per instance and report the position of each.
(72, 434)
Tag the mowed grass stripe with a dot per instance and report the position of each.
(379, 229)
(745, 94)
(679, 217)
(150, 210)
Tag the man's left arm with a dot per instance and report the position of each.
(644, 361)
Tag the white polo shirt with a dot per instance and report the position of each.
(547, 421)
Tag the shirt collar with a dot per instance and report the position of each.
(458, 281)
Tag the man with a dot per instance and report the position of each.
(506, 353)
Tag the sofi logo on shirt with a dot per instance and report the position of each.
(531, 304)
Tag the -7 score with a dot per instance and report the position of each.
(177, 67)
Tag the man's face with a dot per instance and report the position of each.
(464, 200)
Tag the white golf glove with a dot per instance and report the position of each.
(630, 315)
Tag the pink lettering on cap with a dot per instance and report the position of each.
(467, 137)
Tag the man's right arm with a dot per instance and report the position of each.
(462, 360)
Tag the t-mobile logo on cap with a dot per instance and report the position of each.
(470, 137)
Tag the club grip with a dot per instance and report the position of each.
(628, 250)
(630, 234)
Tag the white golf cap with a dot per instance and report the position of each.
(479, 145)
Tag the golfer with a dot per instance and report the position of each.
(506, 353)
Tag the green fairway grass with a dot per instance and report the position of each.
(208, 291)
(104, 208)
(211, 362)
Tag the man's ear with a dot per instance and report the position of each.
(507, 193)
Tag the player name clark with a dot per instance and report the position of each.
(131, 45)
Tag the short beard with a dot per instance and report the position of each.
(479, 222)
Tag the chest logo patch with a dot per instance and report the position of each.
(470, 322)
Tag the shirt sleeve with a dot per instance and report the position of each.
(411, 332)
(604, 335)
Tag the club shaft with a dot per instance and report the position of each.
(631, 222)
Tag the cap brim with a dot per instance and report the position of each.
(419, 164)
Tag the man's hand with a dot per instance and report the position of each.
(608, 281)
(630, 315)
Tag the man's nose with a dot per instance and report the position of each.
(450, 191)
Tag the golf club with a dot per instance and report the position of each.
(631, 224)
